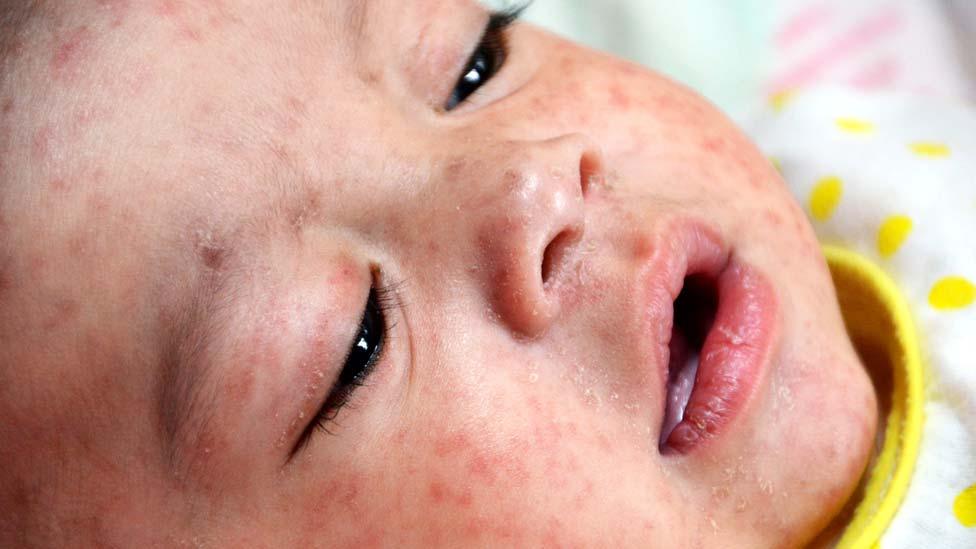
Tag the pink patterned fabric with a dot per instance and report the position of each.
(905, 45)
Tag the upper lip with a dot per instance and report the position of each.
(684, 248)
(731, 366)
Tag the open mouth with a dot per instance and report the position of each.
(694, 315)
(723, 335)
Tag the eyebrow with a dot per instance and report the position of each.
(185, 398)
(185, 392)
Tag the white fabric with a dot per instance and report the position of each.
(905, 156)
(736, 52)
(905, 45)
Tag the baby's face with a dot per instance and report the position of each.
(261, 287)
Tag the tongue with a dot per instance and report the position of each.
(682, 368)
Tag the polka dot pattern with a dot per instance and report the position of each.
(889, 178)
(930, 150)
(855, 126)
(825, 198)
(964, 508)
(893, 233)
(952, 293)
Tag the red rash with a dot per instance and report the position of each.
(67, 56)
(65, 311)
(619, 98)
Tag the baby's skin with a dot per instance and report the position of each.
(270, 277)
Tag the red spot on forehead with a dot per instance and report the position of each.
(211, 256)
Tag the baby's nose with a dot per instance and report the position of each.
(530, 221)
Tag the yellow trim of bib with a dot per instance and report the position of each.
(871, 302)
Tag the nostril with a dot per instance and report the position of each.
(557, 253)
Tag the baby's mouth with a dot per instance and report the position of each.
(694, 314)
(723, 336)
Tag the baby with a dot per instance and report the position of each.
(399, 273)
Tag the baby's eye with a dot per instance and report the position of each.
(486, 60)
(364, 354)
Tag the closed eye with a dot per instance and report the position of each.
(365, 352)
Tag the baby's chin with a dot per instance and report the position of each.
(818, 429)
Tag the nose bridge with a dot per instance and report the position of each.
(531, 216)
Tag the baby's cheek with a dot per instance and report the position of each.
(529, 477)
(499, 482)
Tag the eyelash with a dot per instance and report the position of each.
(494, 45)
(385, 299)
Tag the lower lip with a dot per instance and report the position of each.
(733, 357)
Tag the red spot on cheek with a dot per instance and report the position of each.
(774, 218)
(451, 444)
(6, 279)
(168, 8)
(8, 106)
(41, 143)
(65, 311)
(68, 52)
(241, 387)
(713, 145)
(173, 10)
(36, 266)
(441, 494)
(78, 246)
(296, 106)
(117, 8)
(59, 185)
(619, 98)
(98, 204)
(437, 492)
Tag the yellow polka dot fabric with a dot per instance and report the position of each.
(825, 197)
(965, 507)
(893, 179)
(930, 150)
(951, 293)
(855, 125)
(892, 234)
